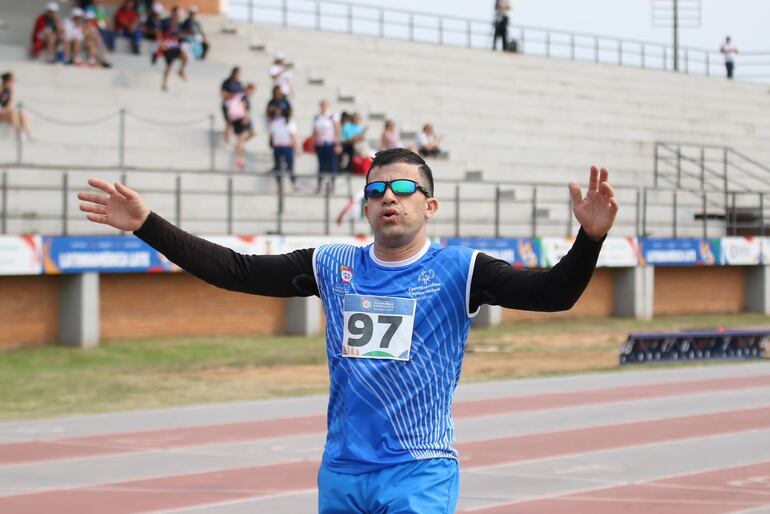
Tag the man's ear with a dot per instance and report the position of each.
(431, 206)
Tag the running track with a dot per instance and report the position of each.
(678, 440)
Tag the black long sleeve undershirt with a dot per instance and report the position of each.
(494, 281)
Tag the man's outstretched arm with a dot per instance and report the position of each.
(270, 275)
(497, 283)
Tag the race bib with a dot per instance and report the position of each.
(378, 327)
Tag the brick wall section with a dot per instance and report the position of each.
(706, 289)
(29, 310)
(597, 301)
(177, 304)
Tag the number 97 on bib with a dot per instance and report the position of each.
(378, 327)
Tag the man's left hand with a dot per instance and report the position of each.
(597, 209)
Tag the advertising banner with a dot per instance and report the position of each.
(20, 255)
(617, 252)
(275, 245)
(740, 251)
(247, 245)
(109, 254)
(518, 252)
(679, 252)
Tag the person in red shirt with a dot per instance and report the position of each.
(127, 25)
(46, 32)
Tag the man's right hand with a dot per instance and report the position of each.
(122, 208)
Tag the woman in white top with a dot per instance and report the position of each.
(283, 136)
(326, 139)
(729, 50)
(390, 138)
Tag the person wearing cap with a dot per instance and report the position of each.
(127, 25)
(46, 31)
(192, 27)
(281, 75)
(94, 44)
(72, 30)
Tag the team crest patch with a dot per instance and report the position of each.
(426, 276)
(346, 274)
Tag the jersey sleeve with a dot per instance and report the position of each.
(285, 275)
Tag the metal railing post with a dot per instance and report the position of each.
(251, 11)
(734, 215)
(572, 46)
(4, 211)
(19, 140)
(440, 30)
(657, 145)
(725, 182)
(350, 19)
(497, 210)
(327, 211)
(637, 214)
(212, 143)
(122, 138)
(548, 44)
(686, 60)
(761, 214)
(705, 216)
(644, 56)
(534, 211)
(679, 166)
(285, 13)
(708, 64)
(674, 220)
(65, 202)
(382, 22)
(318, 15)
(230, 206)
(411, 27)
(644, 213)
(596, 49)
(702, 168)
(521, 40)
(279, 217)
(620, 52)
(178, 200)
(457, 210)
(468, 35)
(665, 58)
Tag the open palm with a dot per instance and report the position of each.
(122, 208)
(597, 209)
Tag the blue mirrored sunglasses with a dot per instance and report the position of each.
(400, 187)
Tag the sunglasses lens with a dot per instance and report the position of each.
(375, 189)
(403, 187)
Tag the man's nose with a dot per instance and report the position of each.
(389, 196)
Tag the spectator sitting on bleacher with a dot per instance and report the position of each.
(390, 138)
(231, 86)
(279, 105)
(46, 32)
(326, 141)
(172, 37)
(192, 27)
(8, 112)
(95, 47)
(428, 141)
(127, 25)
(238, 107)
(74, 39)
(151, 29)
(353, 138)
(102, 23)
(280, 74)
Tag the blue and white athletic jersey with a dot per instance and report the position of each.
(395, 339)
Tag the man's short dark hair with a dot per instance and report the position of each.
(397, 155)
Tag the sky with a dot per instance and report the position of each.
(747, 21)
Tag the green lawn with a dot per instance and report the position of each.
(55, 381)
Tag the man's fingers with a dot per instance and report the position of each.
(606, 189)
(93, 198)
(614, 206)
(603, 175)
(126, 191)
(90, 207)
(101, 184)
(574, 191)
(593, 181)
(97, 218)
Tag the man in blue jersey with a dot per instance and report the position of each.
(398, 314)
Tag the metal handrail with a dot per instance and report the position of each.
(624, 51)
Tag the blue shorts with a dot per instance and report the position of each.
(421, 487)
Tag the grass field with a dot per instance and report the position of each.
(56, 381)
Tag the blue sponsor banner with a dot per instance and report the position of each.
(110, 254)
(521, 252)
(679, 252)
